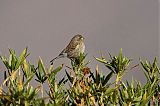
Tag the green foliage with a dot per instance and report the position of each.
(80, 85)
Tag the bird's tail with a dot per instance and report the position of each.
(53, 60)
(59, 56)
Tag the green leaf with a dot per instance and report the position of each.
(13, 62)
(28, 80)
(101, 60)
(62, 81)
(97, 76)
(21, 58)
(5, 62)
(107, 78)
(144, 98)
(120, 58)
(91, 75)
(41, 67)
(55, 71)
(69, 77)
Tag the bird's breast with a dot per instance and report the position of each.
(80, 48)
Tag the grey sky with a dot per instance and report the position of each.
(46, 26)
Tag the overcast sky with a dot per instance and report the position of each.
(46, 27)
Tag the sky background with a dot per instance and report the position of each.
(46, 27)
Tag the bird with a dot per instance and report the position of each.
(73, 50)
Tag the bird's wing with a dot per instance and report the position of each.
(71, 46)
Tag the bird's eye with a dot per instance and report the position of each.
(80, 38)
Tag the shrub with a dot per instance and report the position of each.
(86, 87)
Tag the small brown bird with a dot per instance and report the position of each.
(73, 50)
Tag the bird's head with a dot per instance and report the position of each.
(78, 38)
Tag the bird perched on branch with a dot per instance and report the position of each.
(73, 49)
